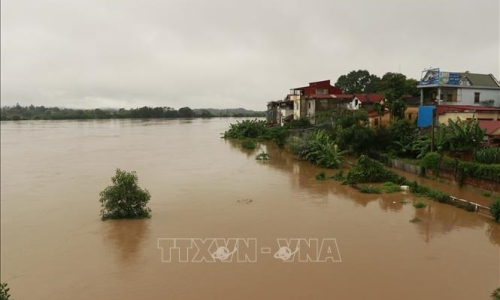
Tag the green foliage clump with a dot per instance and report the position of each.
(390, 187)
(248, 144)
(431, 160)
(496, 294)
(415, 220)
(262, 156)
(463, 135)
(465, 169)
(246, 129)
(419, 204)
(338, 176)
(488, 155)
(495, 209)
(486, 193)
(368, 189)
(321, 176)
(4, 292)
(124, 199)
(257, 130)
(368, 170)
(298, 124)
(318, 148)
(403, 134)
(352, 131)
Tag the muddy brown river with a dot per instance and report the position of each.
(336, 242)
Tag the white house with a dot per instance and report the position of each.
(454, 88)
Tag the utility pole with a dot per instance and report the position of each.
(432, 131)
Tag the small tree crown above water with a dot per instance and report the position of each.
(124, 199)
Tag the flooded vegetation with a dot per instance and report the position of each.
(55, 246)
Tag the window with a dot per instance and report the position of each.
(476, 97)
(410, 116)
(309, 104)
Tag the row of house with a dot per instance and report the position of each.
(453, 94)
(321, 97)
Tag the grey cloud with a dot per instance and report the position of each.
(228, 53)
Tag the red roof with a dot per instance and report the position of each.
(442, 109)
(321, 96)
(374, 113)
(490, 126)
(344, 96)
(374, 98)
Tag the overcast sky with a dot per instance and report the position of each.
(228, 53)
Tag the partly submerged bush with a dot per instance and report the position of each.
(495, 209)
(246, 129)
(321, 175)
(368, 189)
(262, 156)
(419, 204)
(391, 187)
(368, 170)
(124, 199)
(4, 292)
(496, 294)
(248, 144)
(318, 147)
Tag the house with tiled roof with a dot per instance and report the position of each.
(458, 88)
(318, 90)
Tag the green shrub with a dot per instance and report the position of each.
(321, 175)
(262, 156)
(124, 199)
(318, 148)
(246, 129)
(495, 209)
(338, 176)
(4, 292)
(415, 220)
(248, 144)
(496, 294)
(489, 155)
(368, 170)
(486, 193)
(419, 204)
(368, 189)
(431, 161)
(390, 187)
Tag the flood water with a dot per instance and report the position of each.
(54, 245)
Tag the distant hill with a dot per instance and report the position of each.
(231, 112)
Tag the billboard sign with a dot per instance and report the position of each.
(449, 78)
(429, 77)
(436, 77)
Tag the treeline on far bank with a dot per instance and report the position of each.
(32, 112)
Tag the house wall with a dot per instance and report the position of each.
(311, 110)
(283, 113)
(375, 121)
(466, 96)
(411, 113)
(296, 106)
(494, 116)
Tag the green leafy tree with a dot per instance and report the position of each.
(463, 135)
(360, 81)
(124, 199)
(186, 112)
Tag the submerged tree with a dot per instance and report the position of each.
(124, 199)
(4, 292)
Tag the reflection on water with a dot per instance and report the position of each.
(126, 238)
